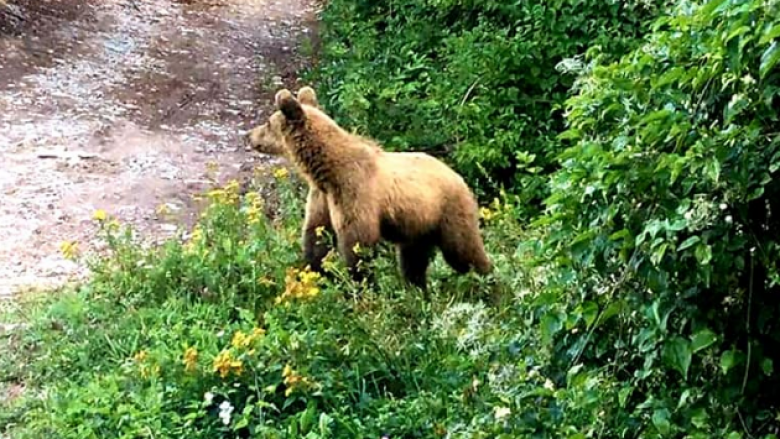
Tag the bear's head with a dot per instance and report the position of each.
(269, 137)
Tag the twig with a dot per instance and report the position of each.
(747, 323)
(468, 92)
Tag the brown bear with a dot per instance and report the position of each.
(410, 199)
(317, 214)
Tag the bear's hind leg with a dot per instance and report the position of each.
(414, 259)
(463, 249)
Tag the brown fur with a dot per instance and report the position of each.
(410, 199)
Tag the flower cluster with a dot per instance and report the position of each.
(293, 380)
(254, 208)
(224, 364)
(300, 284)
(488, 213)
(190, 359)
(146, 369)
(281, 173)
(225, 195)
(228, 361)
(243, 341)
(70, 249)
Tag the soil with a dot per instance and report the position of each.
(120, 105)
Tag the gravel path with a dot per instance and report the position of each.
(119, 105)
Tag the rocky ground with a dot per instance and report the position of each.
(120, 105)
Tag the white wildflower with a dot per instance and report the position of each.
(225, 410)
(208, 397)
(723, 206)
(467, 323)
(502, 379)
(729, 219)
(502, 412)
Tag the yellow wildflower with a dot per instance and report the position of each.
(293, 380)
(69, 249)
(190, 359)
(329, 261)
(224, 364)
(486, 213)
(281, 173)
(300, 285)
(99, 215)
(240, 340)
(319, 231)
(140, 356)
(253, 215)
(255, 210)
(356, 248)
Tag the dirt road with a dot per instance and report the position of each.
(119, 105)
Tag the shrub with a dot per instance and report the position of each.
(665, 208)
(475, 82)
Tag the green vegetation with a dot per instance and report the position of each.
(642, 302)
(480, 83)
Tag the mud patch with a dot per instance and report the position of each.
(127, 118)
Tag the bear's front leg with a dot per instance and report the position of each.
(317, 221)
(363, 234)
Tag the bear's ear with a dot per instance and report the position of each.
(306, 95)
(289, 106)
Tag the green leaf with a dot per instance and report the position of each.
(623, 395)
(612, 310)
(620, 234)
(550, 326)
(688, 243)
(712, 6)
(661, 421)
(677, 355)
(767, 366)
(770, 34)
(703, 253)
(659, 253)
(727, 361)
(702, 340)
(307, 418)
(712, 170)
(590, 311)
(769, 58)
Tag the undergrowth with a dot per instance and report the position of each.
(642, 302)
(225, 334)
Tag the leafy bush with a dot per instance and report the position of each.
(475, 82)
(666, 210)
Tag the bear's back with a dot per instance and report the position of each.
(416, 190)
